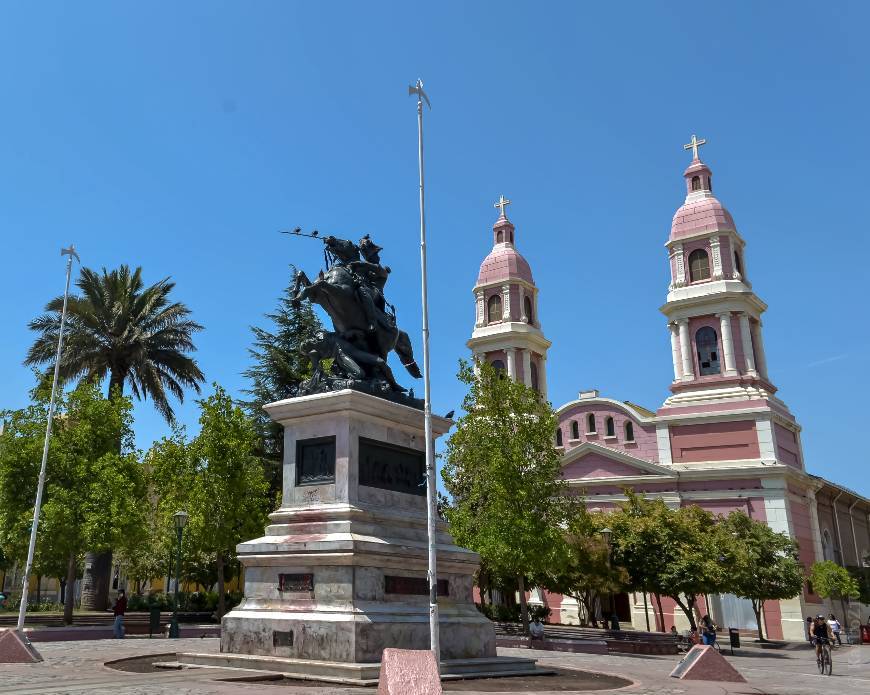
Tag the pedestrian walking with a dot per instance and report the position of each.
(118, 610)
(708, 631)
(835, 626)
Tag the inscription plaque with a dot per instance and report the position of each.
(315, 461)
(412, 586)
(296, 582)
(282, 639)
(391, 467)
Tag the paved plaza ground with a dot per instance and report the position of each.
(79, 667)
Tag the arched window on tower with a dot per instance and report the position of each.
(499, 237)
(527, 307)
(590, 424)
(494, 308)
(575, 430)
(707, 344)
(629, 431)
(699, 265)
(696, 183)
(710, 183)
(827, 547)
(534, 377)
(559, 437)
(738, 266)
(498, 364)
(609, 428)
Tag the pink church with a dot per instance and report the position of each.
(722, 439)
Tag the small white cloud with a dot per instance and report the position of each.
(826, 360)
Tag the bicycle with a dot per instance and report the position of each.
(823, 657)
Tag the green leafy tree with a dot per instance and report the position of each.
(93, 492)
(502, 472)
(762, 565)
(833, 582)
(671, 552)
(279, 367)
(132, 334)
(583, 568)
(217, 478)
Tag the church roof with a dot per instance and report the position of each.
(702, 211)
(504, 262)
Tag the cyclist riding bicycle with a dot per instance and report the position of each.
(822, 633)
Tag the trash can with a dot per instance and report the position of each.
(734, 638)
(865, 634)
(153, 622)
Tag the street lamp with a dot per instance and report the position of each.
(180, 519)
(607, 536)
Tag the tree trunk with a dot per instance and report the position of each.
(524, 607)
(687, 609)
(95, 581)
(658, 599)
(62, 581)
(222, 604)
(38, 590)
(646, 611)
(69, 597)
(482, 585)
(758, 607)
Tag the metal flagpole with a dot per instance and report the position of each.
(22, 609)
(427, 397)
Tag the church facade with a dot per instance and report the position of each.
(723, 439)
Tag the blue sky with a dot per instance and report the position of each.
(182, 136)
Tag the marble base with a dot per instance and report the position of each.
(340, 573)
(354, 673)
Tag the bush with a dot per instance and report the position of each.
(539, 612)
(500, 613)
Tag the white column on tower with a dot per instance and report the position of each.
(511, 362)
(727, 343)
(759, 349)
(686, 350)
(527, 368)
(523, 317)
(506, 302)
(481, 313)
(542, 376)
(717, 257)
(675, 350)
(680, 278)
(746, 340)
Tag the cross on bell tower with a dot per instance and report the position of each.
(694, 145)
(502, 204)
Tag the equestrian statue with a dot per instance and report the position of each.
(351, 292)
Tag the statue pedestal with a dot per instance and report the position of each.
(340, 574)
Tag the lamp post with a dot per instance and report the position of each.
(180, 518)
(607, 537)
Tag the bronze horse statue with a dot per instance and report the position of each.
(350, 291)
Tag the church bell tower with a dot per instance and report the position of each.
(507, 332)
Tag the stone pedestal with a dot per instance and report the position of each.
(340, 573)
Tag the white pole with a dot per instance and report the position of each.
(431, 494)
(22, 609)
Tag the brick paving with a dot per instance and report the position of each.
(78, 668)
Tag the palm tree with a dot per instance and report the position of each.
(134, 335)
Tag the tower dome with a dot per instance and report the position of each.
(507, 332)
(701, 211)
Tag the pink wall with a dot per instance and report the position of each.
(803, 533)
(787, 449)
(594, 465)
(726, 254)
(643, 447)
(714, 441)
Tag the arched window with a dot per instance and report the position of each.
(708, 350)
(610, 429)
(494, 308)
(699, 265)
(575, 429)
(510, 237)
(499, 237)
(629, 431)
(710, 183)
(559, 437)
(498, 364)
(527, 306)
(696, 183)
(827, 548)
(738, 266)
(590, 424)
(534, 377)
